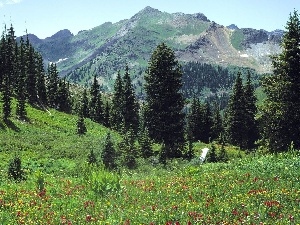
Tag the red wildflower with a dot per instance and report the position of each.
(88, 218)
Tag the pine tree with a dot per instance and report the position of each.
(109, 154)
(251, 126)
(194, 121)
(116, 113)
(94, 92)
(128, 150)
(212, 154)
(235, 115)
(21, 98)
(281, 110)
(217, 127)
(52, 85)
(145, 144)
(106, 115)
(130, 105)
(85, 104)
(9, 73)
(63, 97)
(41, 84)
(164, 102)
(81, 128)
(30, 80)
(206, 124)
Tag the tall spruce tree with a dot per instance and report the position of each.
(41, 81)
(251, 125)
(52, 85)
(130, 104)
(217, 127)
(109, 154)
(20, 92)
(31, 75)
(164, 102)
(235, 114)
(94, 92)
(194, 121)
(8, 75)
(116, 113)
(280, 117)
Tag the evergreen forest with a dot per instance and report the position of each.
(73, 154)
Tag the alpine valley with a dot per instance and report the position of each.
(106, 49)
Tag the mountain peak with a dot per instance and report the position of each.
(232, 27)
(201, 16)
(61, 34)
(149, 10)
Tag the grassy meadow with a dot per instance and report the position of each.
(61, 188)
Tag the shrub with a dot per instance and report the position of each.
(15, 171)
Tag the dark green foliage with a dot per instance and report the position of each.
(52, 85)
(92, 159)
(6, 98)
(41, 82)
(20, 92)
(109, 154)
(200, 122)
(63, 97)
(235, 114)
(85, 105)
(15, 171)
(281, 110)
(145, 144)
(31, 75)
(223, 156)
(217, 123)
(130, 105)
(241, 126)
(251, 125)
(164, 102)
(128, 150)
(81, 128)
(106, 115)
(96, 104)
(212, 154)
(116, 113)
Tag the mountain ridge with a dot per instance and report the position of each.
(107, 48)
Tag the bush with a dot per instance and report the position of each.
(101, 181)
(15, 171)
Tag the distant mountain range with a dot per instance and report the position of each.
(107, 48)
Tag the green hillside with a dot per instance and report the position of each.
(48, 141)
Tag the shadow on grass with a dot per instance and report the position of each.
(11, 125)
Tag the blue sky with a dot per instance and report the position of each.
(45, 17)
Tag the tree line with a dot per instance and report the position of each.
(165, 116)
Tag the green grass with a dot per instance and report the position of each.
(60, 188)
(236, 39)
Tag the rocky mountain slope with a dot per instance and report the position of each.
(107, 48)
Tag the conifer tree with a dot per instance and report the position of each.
(41, 85)
(128, 150)
(85, 104)
(81, 128)
(94, 92)
(21, 98)
(30, 80)
(63, 97)
(116, 113)
(235, 114)
(9, 73)
(52, 85)
(281, 110)
(130, 105)
(106, 115)
(164, 102)
(194, 121)
(145, 144)
(109, 154)
(217, 127)
(251, 126)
